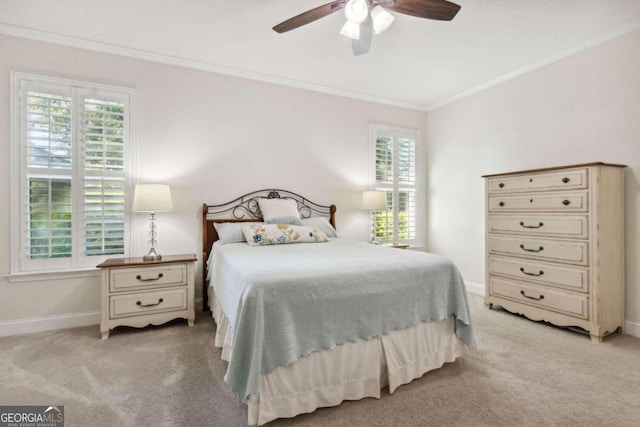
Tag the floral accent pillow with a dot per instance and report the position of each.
(278, 234)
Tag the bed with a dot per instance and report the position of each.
(309, 325)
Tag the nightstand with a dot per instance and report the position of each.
(400, 246)
(139, 293)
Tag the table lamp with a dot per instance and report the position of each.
(373, 201)
(152, 198)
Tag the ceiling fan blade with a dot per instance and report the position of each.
(363, 44)
(309, 16)
(440, 10)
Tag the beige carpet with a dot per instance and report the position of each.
(522, 374)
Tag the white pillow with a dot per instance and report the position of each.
(322, 223)
(278, 234)
(292, 220)
(231, 232)
(278, 208)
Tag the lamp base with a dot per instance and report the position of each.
(152, 255)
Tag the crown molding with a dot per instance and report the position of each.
(76, 42)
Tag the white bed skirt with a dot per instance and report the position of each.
(351, 371)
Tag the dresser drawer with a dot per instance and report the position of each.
(576, 201)
(543, 225)
(541, 249)
(561, 276)
(575, 305)
(127, 279)
(147, 302)
(548, 181)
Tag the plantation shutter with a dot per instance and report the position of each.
(47, 132)
(395, 173)
(406, 193)
(72, 144)
(104, 190)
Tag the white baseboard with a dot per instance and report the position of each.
(474, 288)
(632, 328)
(59, 321)
(49, 323)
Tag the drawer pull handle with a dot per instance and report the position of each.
(531, 250)
(565, 180)
(151, 279)
(531, 274)
(531, 226)
(149, 305)
(501, 204)
(566, 202)
(534, 298)
(501, 185)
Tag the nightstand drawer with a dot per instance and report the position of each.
(147, 302)
(127, 279)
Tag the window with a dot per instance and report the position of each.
(394, 171)
(70, 170)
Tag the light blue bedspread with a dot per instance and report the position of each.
(286, 301)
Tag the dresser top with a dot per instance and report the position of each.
(126, 262)
(581, 165)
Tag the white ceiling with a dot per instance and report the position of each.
(416, 63)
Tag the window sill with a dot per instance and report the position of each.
(36, 276)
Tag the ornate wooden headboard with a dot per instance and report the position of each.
(243, 209)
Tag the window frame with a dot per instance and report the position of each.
(19, 174)
(379, 130)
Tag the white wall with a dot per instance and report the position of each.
(584, 108)
(212, 138)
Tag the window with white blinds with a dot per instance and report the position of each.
(395, 170)
(71, 172)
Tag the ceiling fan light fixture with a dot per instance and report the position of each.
(351, 30)
(381, 19)
(356, 11)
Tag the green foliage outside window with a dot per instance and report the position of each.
(49, 147)
(395, 173)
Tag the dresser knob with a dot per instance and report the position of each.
(565, 180)
(501, 204)
(501, 185)
(566, 202)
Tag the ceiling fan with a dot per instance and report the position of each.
(365, 17)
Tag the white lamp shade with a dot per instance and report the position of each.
(381, 19)
(152, 198)
(374, 200)
(356, 11)
(351, 30)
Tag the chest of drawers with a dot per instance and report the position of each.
(555, 245)
(139, 293)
